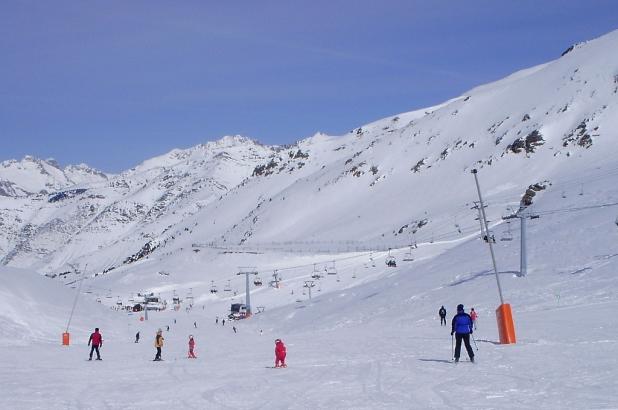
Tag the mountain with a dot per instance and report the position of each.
(36, 176)
(385, 184)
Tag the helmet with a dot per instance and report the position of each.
(460, 307)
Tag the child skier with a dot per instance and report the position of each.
(158, 344)
(473, 316)
(280, 353)
(137, 337)
(191, 347)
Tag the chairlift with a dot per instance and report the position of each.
(316, 272)
(390, 261)
(228, 287)
(331, 270)
(257, 281)
(213, 287)
(508, 236)
(119, 301)
(407, 257)
(354, 274)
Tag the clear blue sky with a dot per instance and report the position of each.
(112, 83)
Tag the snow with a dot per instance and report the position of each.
(370, 336)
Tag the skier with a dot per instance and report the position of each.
(442, 313)
(473, 316)
(137, 337)
(97, 341)
(261, 332)
(280, 353)
(191, 347)
(461, 326)
(174, 321)
(158, 344)
(223, 322)
(195, 325)
(217, 320)
(168, 328)
(234, 329)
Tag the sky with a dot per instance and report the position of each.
(112, 83)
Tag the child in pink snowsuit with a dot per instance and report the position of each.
(280, 353)
(191, 346)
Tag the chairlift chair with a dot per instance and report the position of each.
(407, 257)
(331, 270)
(213, 287)
(257, 281)
(390, 261)
(508, 236)
(316, 272)
(228, 287)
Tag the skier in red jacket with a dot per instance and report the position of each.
(280, 353)
(97, 341)
(191, 347)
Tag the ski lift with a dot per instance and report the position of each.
(175, 299)
(109, 294)
(508, 236)
(407, 257)
(119, 301)
(331, 270)
(390, 261)
(257, 281)
(276, 279)
(213, 287)
(189, 297)
(354, 274)
(228, 287)
(316, 272)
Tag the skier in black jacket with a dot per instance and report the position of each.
(461, 326)
(442, 313)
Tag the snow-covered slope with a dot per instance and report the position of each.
(535, 126)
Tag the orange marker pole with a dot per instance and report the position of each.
(66, 337)
(506, 327)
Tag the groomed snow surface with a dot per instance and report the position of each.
(369, 342)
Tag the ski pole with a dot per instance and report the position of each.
(452, 348)
(474, 340)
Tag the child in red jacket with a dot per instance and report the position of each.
(191, 347)
(280, 353)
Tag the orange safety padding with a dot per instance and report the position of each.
(65, 339)
(506, 327)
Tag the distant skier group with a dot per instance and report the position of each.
(96, 341)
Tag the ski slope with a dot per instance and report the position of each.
(373, 342)
(369, 338)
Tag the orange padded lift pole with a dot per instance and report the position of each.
(506, 327)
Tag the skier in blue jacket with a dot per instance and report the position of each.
(461, 326)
